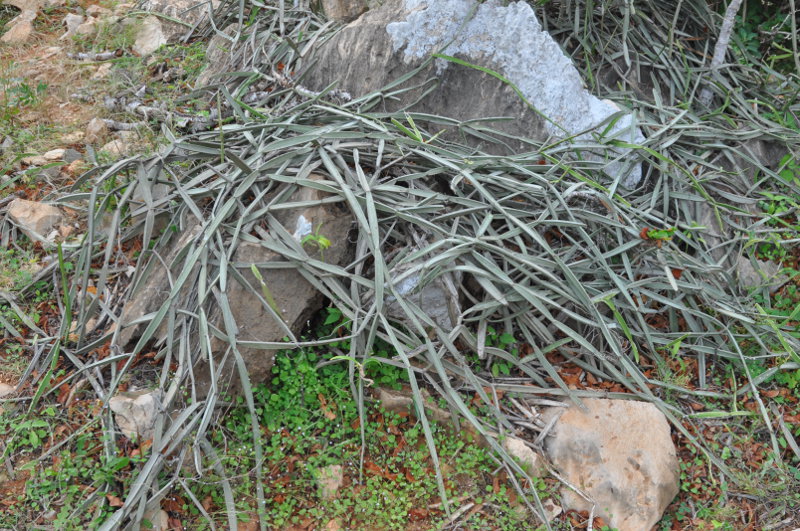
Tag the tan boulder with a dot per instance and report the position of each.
(20, 28)
(621, 455)
(96, 131)
(36, 220)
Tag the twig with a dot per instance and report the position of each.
(795, 54)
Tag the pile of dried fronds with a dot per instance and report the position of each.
(550, 247)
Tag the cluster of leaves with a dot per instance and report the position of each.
(764, 34)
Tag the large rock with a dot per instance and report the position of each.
(621, 455)
(20, 28)
(396, 38)
(36, 220)
(295, 298)
(189, 12)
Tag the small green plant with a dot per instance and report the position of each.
(660, 234)
(16, 94)
(318, 240)
(413, 131)
(503, 341)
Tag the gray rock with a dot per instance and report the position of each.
(34, 219)
(431, 295)
(135, 413)
(295, 298)
(188, 11)
(748, 155)
(729, 251)
(71, 155)
(621, 455)
(149, 36)
(396, 38)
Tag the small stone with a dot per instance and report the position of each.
(34, 219)
(87, 28)
(532, 462)
(122, 8)
(96, 11)
(75, 168)
(135, 413)
(102, 71)
(158, 518)
(5, 390)
(54, 154)
(65, 231)
(403, 402)
(96, 131)
(73, 22)
(51, 51)
(73, 138)
(36, 160)
(551, 509)
(150, 36)
(116, 148)
(329, 480)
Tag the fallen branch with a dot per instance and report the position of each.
(114, 125)
(721, 47)
(96, 56)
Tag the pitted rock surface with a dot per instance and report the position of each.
(621, 455)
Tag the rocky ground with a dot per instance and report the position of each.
(87, 84)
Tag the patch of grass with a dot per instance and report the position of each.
(110, 35)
